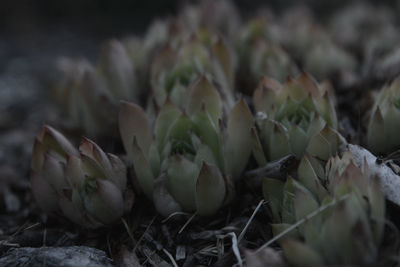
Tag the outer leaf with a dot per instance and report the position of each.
(53, 173)
(143, 172)
(210, 190)
(279, 143)
(74, 173)
(105, 202)
(163, 200)
(239, 144)
(376, 139)
(204, 129)
(119, 172)
(133, 123)
(273, 194)
(181, 180)
(299, 254)
(258, 152)
(309, 178)
(168, 114)
(298, 140)
(116, 66)
(204, 93)
(324, 144)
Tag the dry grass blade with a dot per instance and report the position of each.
(145, 231)
(241, 235)
(128, 230)
(235, 247)
(187, 223)
(170, 257)
(173, 215)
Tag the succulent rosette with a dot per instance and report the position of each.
(384, 123)
(299, 32)
(293, 118)
(87, 186)
(176, 67)
(342, 211)
(325, 59)
(261, 55)
(220, 16)
(186, 160)
(82, 88)
(272, 61)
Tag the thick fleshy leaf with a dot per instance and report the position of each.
(273, 194)
(204, 93)
(44, 194)
(309, 85)
(168, 114)
(210, 190)
(376, 134)
(310, 179)
(204, 154)
(300, 255)
(90, 149)
(298, 140)
(181, 180)
(163, 200)
(324, 144)
(53, 172)
(104, 201)
(315, 125)
(94, 161)
(278, 228)
(154, 159)
(178, 93)
(72, 207)
(239, 143)
(74, 173)
(116, 67)
(279, 143)
(53, 140)
(133, 122)
(224, 60)
(181, 130)
(265, 94)
(119, 172)
(288, 208)
(205, 129)
(143, 172)
(305, 203)
(258, 152)
(339, 235)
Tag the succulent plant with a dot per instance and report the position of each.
(325, 59)
(342, 210)
(352, 27)
(383, 127)
(186, 161)
(219, 16)
(293, 118)
(299, 32)
(260, 54)
(83, 88)
(175, 68)
(271, 61)
(85, 186)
